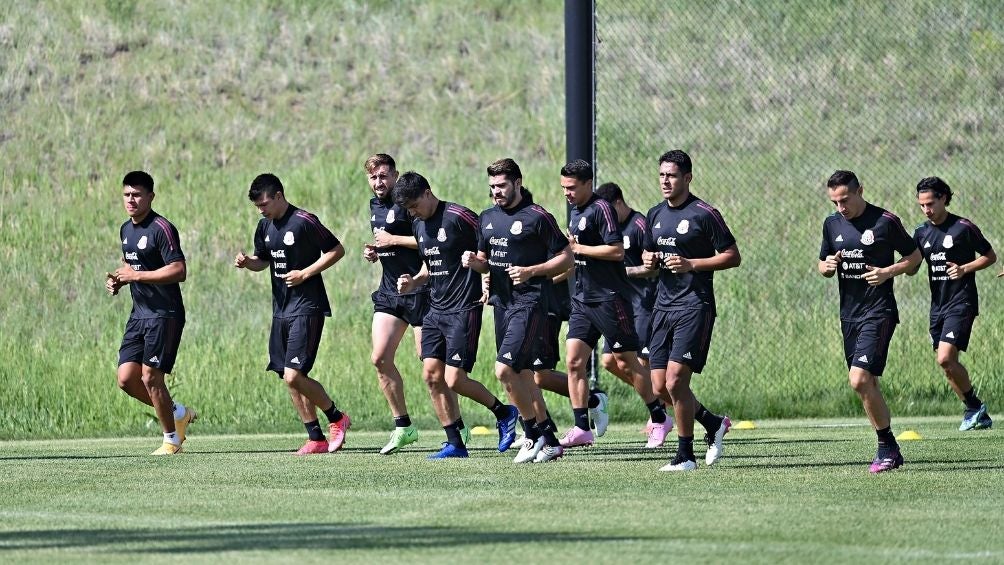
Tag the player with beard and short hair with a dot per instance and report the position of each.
(954, 249)
(687, 242)
(295, 247)
(452, 326)
(153, 267)
(859, 241)
(521, 248)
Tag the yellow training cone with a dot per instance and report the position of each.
(480, 431)
(745, 425)
(908, 435)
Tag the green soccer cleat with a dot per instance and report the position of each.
(399, 438)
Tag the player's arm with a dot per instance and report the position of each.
(982, 262)
(249, 262)
(605, 252)
(728, 258)
(563, 276)
(327, 259)
(556, 265)
(407, 283)
(641, 272)
(878, 275)
(174, 272)
(382, 238)
(475, 261)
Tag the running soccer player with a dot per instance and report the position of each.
(153, 267)
(521, 248)
(452, 326)
(599, 306)
(641, 293)
(687, 242)
(296, 248)
(394, 246)
(954, 249)
(859, 240)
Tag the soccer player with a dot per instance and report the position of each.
(687, 242)
(954, 249)
(153, 267)
(295, 247)
(395, 247)
(859, 240)
(452, 326)
(522, 248)
(599, 306)
(641, 293)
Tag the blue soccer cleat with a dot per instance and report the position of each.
(449, 451)
(507, 429)
(976, 420)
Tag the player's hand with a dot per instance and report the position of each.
(518, 275)
(678, 264)
(381, 238)
(112, 284)
(405, 283)
(831, 262)
(294, 278)
(466, 257)
(241, 260)
(125, 274)
(370, 253)
(651, 259)
(875, 275)
(485, 286)
(955, 272)
(573, 242)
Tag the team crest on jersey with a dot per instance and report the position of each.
(390, 216)
(627, 242)
(441, 236)
(288, 238)
(141, 244)
(517, 228)
(582, 223)
(683, 227)
(868, 237)
(948, 243)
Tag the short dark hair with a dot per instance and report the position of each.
(409, 186)
(578, 169)
(843, 178)
(138, 178)
(267, 184)
(679, 158)
(506, 167)
(378, 159)
(939, 187)
(610, 192)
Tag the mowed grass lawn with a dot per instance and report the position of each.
(788, 491)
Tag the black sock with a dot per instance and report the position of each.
(453, 435)
(594, 401)
(522, 423)
(500, 410)
(709, 420)
(972, 401)
(530, 429)
(402, 421)
(314, 430)
(460, 423)
(685, 448)
(886, 441)
(546, 430)
(581, 418)
(657, 411)
(333, 414)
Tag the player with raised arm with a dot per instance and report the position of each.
(153, 267)
(296, 248)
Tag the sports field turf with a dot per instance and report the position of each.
(788, 491)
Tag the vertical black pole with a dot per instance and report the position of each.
(580, 115)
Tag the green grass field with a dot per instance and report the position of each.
(791, 491)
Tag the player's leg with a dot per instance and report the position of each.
(867, 362)
(387, 331)
(153, 380)
(951, 336)
(162, 339)
(130, 371)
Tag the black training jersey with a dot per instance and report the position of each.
(522, 236)
(868, 240)
(292, 243)
(442, 240)
(694, 230)
(641, 289)
(597, 280)
(396, 260)
(959, 241)
(148, 246)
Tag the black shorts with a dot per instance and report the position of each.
(152, 342)
(953, 327)
(294, 342)
(866, 343)
(408, 307)
(519, 336)
(642, 327)
(452, 337)
(549, 353)
(613, 319)
(681, 336)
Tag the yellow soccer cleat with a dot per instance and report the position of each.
(181, 426)
(167, 449)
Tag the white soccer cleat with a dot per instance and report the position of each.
(528, 450)
(599, 415)
(715, 443)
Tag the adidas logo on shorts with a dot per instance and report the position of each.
(950, 335)
(687, 355)
(507, 355)
(863, 358)
(155, 359)
(456, 357)
(295, 360)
